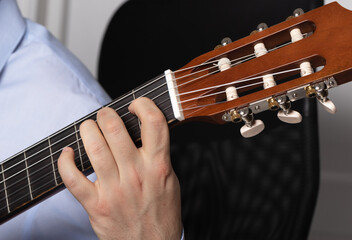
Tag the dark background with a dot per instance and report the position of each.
(232, 188)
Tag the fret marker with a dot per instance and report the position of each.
(174, 96)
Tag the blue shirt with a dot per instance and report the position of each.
(43, 88)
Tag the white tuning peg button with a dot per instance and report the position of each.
(291, 116)
(256, 128)
(328, 105)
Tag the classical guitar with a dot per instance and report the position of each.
(302, 57)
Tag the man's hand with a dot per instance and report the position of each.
(136, 194)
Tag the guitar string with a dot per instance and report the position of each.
(85, 118)
(145, 94)
(70, 135)
(138, 89)
(132, 127)
(158, 78)
(77, 157)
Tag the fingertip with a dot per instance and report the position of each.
(139, 101)
(66, 155)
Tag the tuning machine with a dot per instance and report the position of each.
(251, 126)
(286, 114)
(320, 91)
(297, 12)
(225, 41)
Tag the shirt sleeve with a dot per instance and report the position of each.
(40, 94)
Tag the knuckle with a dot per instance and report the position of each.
(70, 181)
(156, 119)
(104, 208)
(163, 170)
(113, 127)
(96, 148)
(131, 180)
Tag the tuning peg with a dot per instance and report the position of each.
(226, 41)
(322, 96)
(286, 114)
(320, 91)
(328, 105)
(297, 12)
(252, 130)
(289, 116)
(262, 26)
(252, 127)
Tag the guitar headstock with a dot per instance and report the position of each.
(304, 56)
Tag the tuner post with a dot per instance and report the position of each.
(273, 104)
(310, 92)
(235, 116)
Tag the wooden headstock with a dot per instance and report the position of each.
(326, 45)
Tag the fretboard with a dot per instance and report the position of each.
(32, 174)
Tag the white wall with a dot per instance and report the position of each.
(80, 25)
(333, 217)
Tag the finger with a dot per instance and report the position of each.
(99, 153)
(74, 180)
(117, 137)
(154, 129)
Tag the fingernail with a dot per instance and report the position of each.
(65, 149)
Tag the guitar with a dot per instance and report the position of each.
(265, 71)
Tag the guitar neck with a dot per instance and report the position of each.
(32, 175)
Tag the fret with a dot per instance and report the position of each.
(81, 152)
(79, 148)
(120, 105)
(65, 138)
(40, 168)
(157, 90)
(16, 182)
(52, 160)
(33, 174)
(4, 202)
(131, 121)
(29, 181)
(139, 122)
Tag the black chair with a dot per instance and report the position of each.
(232, 188)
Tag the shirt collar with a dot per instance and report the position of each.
(12, 29)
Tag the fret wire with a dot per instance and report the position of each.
(52, 160)
(87, 116)
(29, 181)
(117, 100)
(78, 130)
(134, 98)
(7, 199)
(37, 162)
(55, 179)
(69, 134)
(18, 199)
(63, 138)
(79, 148)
